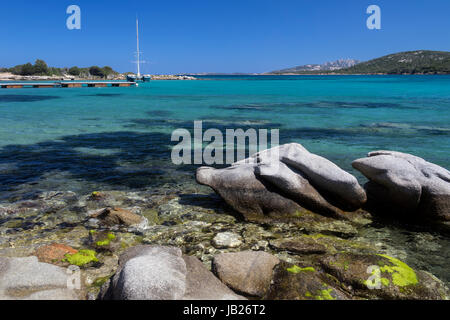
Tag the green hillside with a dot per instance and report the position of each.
(411, 62)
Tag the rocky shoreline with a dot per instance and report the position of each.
(172, 77)
(13, 77)
(292, 227)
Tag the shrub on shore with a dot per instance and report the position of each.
(40, 68)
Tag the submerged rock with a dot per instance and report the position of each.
(227, 240)
(311, 247)
(103, 240)
(161, 273)
(338, 228)
(301, 245)
(118, 216)
(283, 181)
(249, 272)
(407, 182)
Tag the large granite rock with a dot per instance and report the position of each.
(340, 186)
(296, 187)
(240, 188)
(407, 182)
(283, 181)
(149, 273)
(29, 279)
(201, 284)
(162, 273)
(249, 272)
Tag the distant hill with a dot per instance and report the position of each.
(411, 62)
(327, 66)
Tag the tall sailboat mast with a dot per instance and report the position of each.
(138, 76)
(138, 52)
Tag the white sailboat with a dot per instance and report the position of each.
(138, 76)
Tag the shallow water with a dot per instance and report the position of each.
(86, 139)
(117, 137)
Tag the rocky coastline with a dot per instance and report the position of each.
(172, 77)
(6, 76)
(287, 224)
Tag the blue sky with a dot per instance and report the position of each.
(217, 35)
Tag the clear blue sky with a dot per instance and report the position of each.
(187, 36)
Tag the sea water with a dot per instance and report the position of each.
(83, 139)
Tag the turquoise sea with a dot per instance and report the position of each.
(85, 139)
(89, 139)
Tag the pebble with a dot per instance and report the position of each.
(226, 240)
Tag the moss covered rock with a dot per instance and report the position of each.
(381, 276)
(293, 282)
(54, 253)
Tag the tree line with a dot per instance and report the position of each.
(40, 68)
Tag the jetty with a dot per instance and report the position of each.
(66, 84)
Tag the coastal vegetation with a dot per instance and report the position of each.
(40, 68)
(41, 71)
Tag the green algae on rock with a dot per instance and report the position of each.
(318, 244)
(297, 269)
(82, 258)
(324, 295)
(402, 274)
(377, 276)
(99, 282)
(291, 282)
(103, 240)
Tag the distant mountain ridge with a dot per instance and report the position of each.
(327, 66)
(408, 62)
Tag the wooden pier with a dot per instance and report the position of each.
(66, 84)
